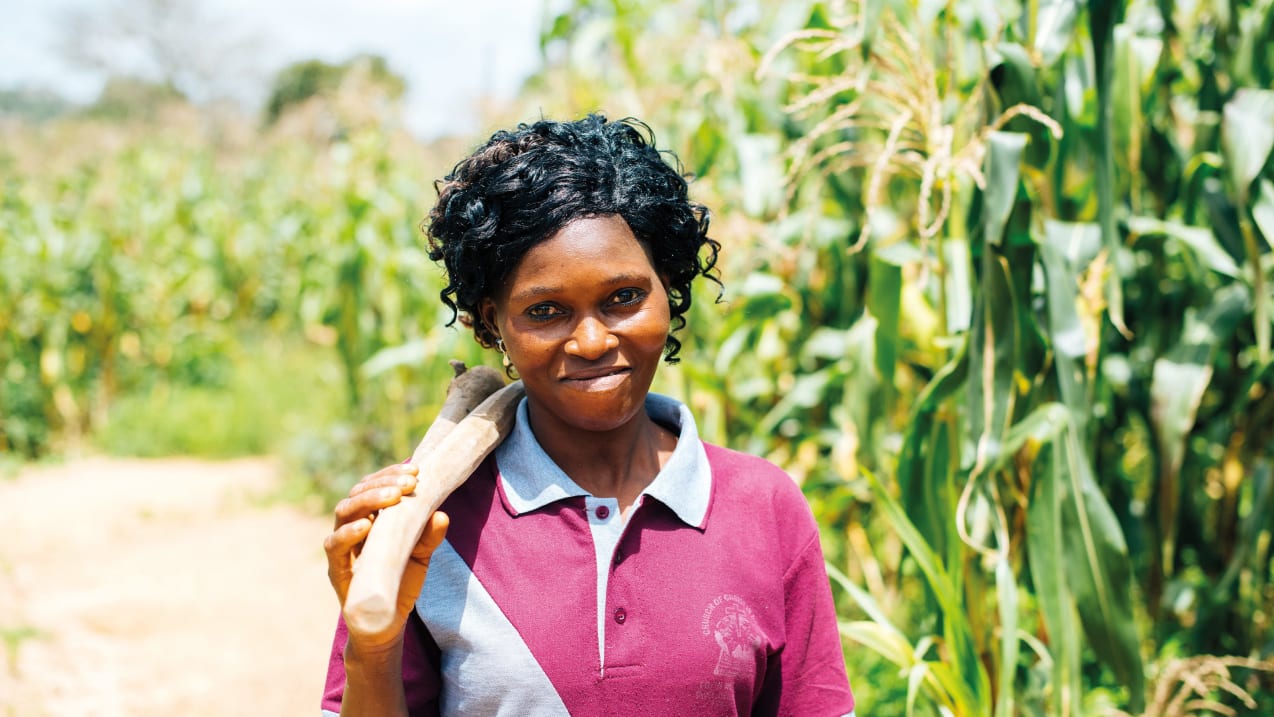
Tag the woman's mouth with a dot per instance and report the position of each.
(602, 380)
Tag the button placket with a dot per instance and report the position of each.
(606, 528)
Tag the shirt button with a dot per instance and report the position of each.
(602, 512)
(620, 615)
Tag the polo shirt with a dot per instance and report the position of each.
(710, 598)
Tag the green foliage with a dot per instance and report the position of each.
(1014, 276)
(136, 260)
(132, 98)
(997, 293)
(33, 104)
(303, 80)
(270, 393)
(299, 82)
(14, 637)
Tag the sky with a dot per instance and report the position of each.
(451, 52)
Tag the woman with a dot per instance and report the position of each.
(603, 560)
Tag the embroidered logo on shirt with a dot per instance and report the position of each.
(731, 624)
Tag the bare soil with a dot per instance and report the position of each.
(160, 587)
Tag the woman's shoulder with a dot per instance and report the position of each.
(752, 496)
(728, 459)
(736, 472)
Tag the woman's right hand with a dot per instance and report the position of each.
(354, 516)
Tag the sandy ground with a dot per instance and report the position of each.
(159, 587)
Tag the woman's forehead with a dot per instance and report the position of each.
(589, 250)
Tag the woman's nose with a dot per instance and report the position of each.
(591, 339)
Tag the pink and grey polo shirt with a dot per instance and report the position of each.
(710, 599)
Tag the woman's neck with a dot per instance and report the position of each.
(619, 463)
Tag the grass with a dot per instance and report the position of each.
(12, 639)
(275, 389)
(9, 466)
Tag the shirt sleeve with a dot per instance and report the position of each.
(421, 679)
(810, 677)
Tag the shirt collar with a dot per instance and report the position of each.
(531, 480)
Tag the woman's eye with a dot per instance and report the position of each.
(623, 297)
(542, 311)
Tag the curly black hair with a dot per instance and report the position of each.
(522, 186)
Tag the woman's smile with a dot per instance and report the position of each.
(597, 379)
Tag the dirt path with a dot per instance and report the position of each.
(159, 587)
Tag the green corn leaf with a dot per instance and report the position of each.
(993, 345)
(1045, 541)
(889, 644)
(1003, 171)
(884, 301)
(953, 694)
(1065, 330)
(809, 390)
(916, 678)
(1258, 521)
(1178, 383)
(826, 343)
(925, 468)
(1075, 542)
(1202, 242)
(993, 355)
(1045, 423)
(862, 598)
(870, 14)
(731, 347)
(958, 260)
(1078, 242)
(1248, 135)
(1100, 572)
(1263, 211)
(760, 173)
(1015, 74)
(1006, 596)
(412, 353)
(1103, 16)
(1054, 28)
(1136, 57)
(974, 687)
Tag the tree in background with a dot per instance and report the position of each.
(172, 43)
(33, 104)
(132, 98)
(301, 81)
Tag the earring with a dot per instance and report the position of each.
(499, 345)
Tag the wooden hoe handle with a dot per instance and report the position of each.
(476, 416)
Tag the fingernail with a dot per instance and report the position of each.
(406, 481)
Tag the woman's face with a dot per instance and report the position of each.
(584, 318)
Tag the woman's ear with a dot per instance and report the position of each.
(487, 315)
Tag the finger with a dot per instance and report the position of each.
(343, 540)
(366, 503)
(416, 568)
(432, 536)
(340, 546)
(400, 474)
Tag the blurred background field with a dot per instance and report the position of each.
(997, 293)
